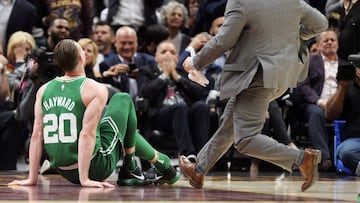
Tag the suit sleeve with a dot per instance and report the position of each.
(312, 22)
(229, 32)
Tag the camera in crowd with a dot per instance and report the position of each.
(355, 60)
(47, 69)
(347, 72)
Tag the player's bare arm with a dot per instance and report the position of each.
(36, 144)
(94, 97)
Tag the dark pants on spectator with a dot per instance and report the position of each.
(317, 131)
(189, 125)
(10, 138)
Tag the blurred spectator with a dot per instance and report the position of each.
(15, 15)
(100, 9)
(57, 31)
(120, 70)
(77, 12)
(174, 102)
(344, 104)
(4, 91)
(318, 4)
(10, 130)
(104, 38)
(174, 16)
(216, 24)
(212, 72)
(91, 52)
(154, 34)
(135, 13)
(320, 85)
(208, 11)
(348, 29)
(3, 59)
(193, 7)
(313, 45)
(333, 6)
(213, 69)
(19, 47)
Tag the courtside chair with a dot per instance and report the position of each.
(338, 129)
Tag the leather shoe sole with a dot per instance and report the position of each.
(188, 169)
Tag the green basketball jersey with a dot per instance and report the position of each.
(63, 111)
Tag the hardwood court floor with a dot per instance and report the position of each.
(219, 187)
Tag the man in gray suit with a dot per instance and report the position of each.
(266, 56)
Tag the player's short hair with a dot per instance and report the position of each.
(66, 54)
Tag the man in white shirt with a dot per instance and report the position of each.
(320, 85)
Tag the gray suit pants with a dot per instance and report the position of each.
(241, 124)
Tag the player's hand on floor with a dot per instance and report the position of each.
(98, 184)
(26, 182)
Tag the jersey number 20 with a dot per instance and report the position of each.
(57, 124)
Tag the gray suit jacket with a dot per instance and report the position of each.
(263, 32)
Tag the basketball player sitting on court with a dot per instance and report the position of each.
(83, 148)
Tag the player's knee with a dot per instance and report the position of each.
(121, 98)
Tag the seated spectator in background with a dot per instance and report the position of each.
(19, 47)
(212, 71)
(10, 130)
(344, 104)
(78, 13)
(100, 9)
(193, 8)
(91, 52)
(4, 91)
(15, 15)
(136, 14)
(320, 85)
(208, 11)
(175, 104)
(318, 4)
(215, 25)
(120, 70)
(174, 16)
(333, 19)
(349, 29)
(104, 38)
(154, 34)
(58, 30)
(92, 67)
(313, 45)
(3, 59)
(332, 6)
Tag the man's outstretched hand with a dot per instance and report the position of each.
(194, 74)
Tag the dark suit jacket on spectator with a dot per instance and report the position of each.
(22, 18)
(349, 32)
(155, 89)
(312, 87)
(141, 59)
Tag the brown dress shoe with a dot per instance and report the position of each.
(188, 169)
(309, 167)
